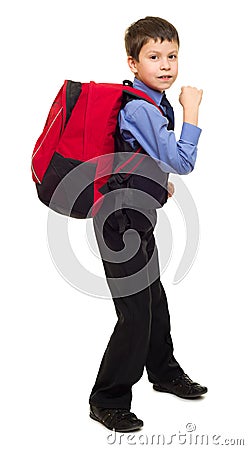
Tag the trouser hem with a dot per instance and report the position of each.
(110, 406)
(170, 378)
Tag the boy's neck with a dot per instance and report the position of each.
(155, 95)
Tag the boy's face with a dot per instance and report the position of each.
(158, 64)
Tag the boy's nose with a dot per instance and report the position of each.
(165, 64)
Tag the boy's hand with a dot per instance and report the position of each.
(170, 189)
(190, 99)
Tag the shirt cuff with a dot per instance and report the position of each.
(190, 133)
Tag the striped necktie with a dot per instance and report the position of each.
(169, 113)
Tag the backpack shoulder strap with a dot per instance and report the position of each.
(130, 93)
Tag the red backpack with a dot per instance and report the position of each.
(74, 156)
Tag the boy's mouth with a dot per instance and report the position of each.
(165, 77)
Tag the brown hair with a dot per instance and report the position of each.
(139, 33)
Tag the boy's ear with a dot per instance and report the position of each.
(132, 64)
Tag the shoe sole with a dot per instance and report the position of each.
(127, 430)
(159, 389)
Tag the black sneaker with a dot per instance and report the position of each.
(182, 386)
(121, 420)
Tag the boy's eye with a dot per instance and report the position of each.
(172, 56)
(153, 57)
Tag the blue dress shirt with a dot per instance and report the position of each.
(142, 124)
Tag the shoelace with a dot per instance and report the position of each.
(114, 416)
(186, 379)
(188, 382)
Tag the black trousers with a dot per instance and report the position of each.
(141, 337)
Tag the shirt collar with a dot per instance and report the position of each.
(155, 95)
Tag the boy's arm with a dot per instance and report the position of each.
(142, 122)
(190, 99)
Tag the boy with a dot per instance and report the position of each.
(141, 337)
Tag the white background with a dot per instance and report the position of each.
(52, 335)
